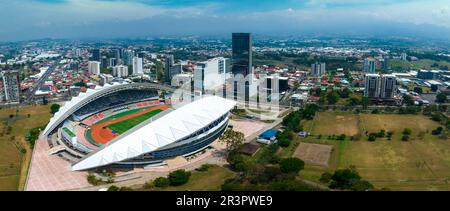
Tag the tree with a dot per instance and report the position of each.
(291, 165)
(92, 179)
(365, 101)
(179, 177)
(284, 142)
(362, 185)
(332, 98)
(326, 177)
(161, 182)
(232, 139)
(405, 137)
(113, 188)
(372, 137)
(344, 178)
(408, 100)
(441, 98)
(418, 90)
(407, 131)
(54, 108)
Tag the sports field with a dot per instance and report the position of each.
(15, 152)
(105, 131)
(327, 123)
(123, 126)
(422, 163)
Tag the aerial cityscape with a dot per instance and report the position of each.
(225, 96)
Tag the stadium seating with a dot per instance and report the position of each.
(115, 99)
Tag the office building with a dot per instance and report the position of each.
(372, 85)
(94, 67)
(168, 63)
(242, 54)
(386, 64)
(137, 66)
(112, 62)
(388, 86)
(120, 71)
(318, 69)
(11, 86)
(96, 56)
(370, 65)
(380, 86)
(210, 75)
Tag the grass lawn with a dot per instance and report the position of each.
(422, 163)
(416, 65)
(13, 162)
(210, 180)
(125, 113)
(335, 123)
(123, 126)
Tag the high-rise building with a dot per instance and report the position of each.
(94, 67)
(169, 61)
(112, 62)
(128, 56)
(380, 86)
(404, 56)
(96, 56)
(117, 56)
(137, 66)
(372, 86)
(388, 86)
(210, 74)
(370, 65)
(11, 86)
(104, 62)
(318, 69)
(242, 54)
(386, 64)
(120, 71)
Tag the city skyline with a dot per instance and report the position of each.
(139, 18)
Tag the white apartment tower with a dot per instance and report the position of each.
(120, 71)
(94, 67)
(211, 74)
(137, 66)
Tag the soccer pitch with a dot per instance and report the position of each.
(123, 126)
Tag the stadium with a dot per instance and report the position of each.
(128, 125)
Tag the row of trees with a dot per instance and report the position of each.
(346, 179)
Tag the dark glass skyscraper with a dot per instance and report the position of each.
(242, 54)
(96, 55)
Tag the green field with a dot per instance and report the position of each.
(426, 64)
(422, 163)
(15, 153)
(123, 126)
(125, 113)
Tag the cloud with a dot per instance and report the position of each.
(79, 18)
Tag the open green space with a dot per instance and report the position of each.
(15, 151)
(123, 126)
(427, 64)
(125, 113)
(422, 163)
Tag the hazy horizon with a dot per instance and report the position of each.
(105, 19)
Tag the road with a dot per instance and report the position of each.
(29, 95)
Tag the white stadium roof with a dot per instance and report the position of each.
(64, 110)
(168, 129)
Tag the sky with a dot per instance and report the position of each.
(75, 19)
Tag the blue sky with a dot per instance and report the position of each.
(31, 19)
